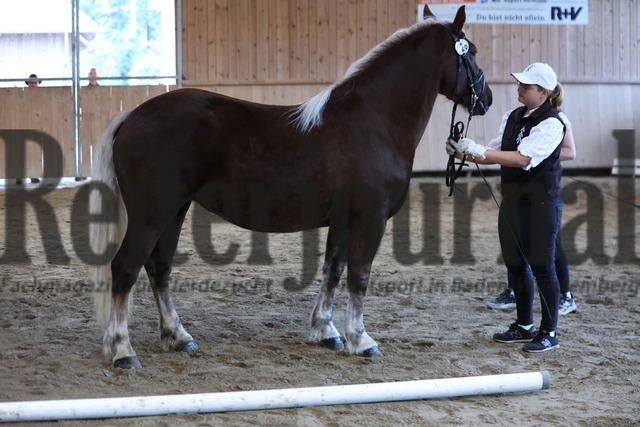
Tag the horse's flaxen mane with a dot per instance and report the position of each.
(309, 114)
(394, 38)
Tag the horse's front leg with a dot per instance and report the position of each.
(322, 328)
(363, 245)
(358, 341)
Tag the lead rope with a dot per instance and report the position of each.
(451, 172)
(455, 133)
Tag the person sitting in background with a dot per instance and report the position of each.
(33, 81)
(93, 75)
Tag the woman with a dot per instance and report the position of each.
(507, 300)
(528, 149)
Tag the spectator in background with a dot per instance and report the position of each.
(93, 75)
(33, 81)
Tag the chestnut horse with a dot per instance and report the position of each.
(343, 159)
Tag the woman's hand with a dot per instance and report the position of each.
(469, 147)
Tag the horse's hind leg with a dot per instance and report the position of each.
(143, 232)
(158, 266)
(125, 268)
(322, 327)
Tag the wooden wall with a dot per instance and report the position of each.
(101, 105)
(284, 41)
(285, 51)
(312, 41)
(48, 110)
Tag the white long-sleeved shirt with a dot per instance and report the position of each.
(541, 142)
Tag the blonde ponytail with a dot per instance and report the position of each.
(557, 96)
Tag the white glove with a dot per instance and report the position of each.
(470, 147)
(451, 151)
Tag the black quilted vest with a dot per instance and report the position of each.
(538, 183)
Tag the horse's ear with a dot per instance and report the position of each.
(458, 22)
(426, 13)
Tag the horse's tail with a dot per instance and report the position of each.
(104, 234)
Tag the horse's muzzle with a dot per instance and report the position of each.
(484, 101)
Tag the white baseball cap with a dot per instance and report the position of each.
(540, 74)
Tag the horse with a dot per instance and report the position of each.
(342, 160)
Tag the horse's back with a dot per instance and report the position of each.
(196, 145)
(192, 126)
(182, 107)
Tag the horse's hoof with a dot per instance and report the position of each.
(371, 351)
(188, 346)
(334, 344)
(130, 362)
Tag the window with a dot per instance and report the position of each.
(119, 38)
(137, 38)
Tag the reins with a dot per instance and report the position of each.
(451, 173)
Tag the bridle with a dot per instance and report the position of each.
(461, 46)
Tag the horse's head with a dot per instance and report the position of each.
(463, 81)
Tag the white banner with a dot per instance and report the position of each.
(546, 12)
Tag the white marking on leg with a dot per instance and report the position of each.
(322, 326)
(357, 339)
(172, 333)
(116, 336)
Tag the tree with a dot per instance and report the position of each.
(130, 43)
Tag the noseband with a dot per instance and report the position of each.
(461, 46)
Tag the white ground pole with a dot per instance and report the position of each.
(49, 410)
